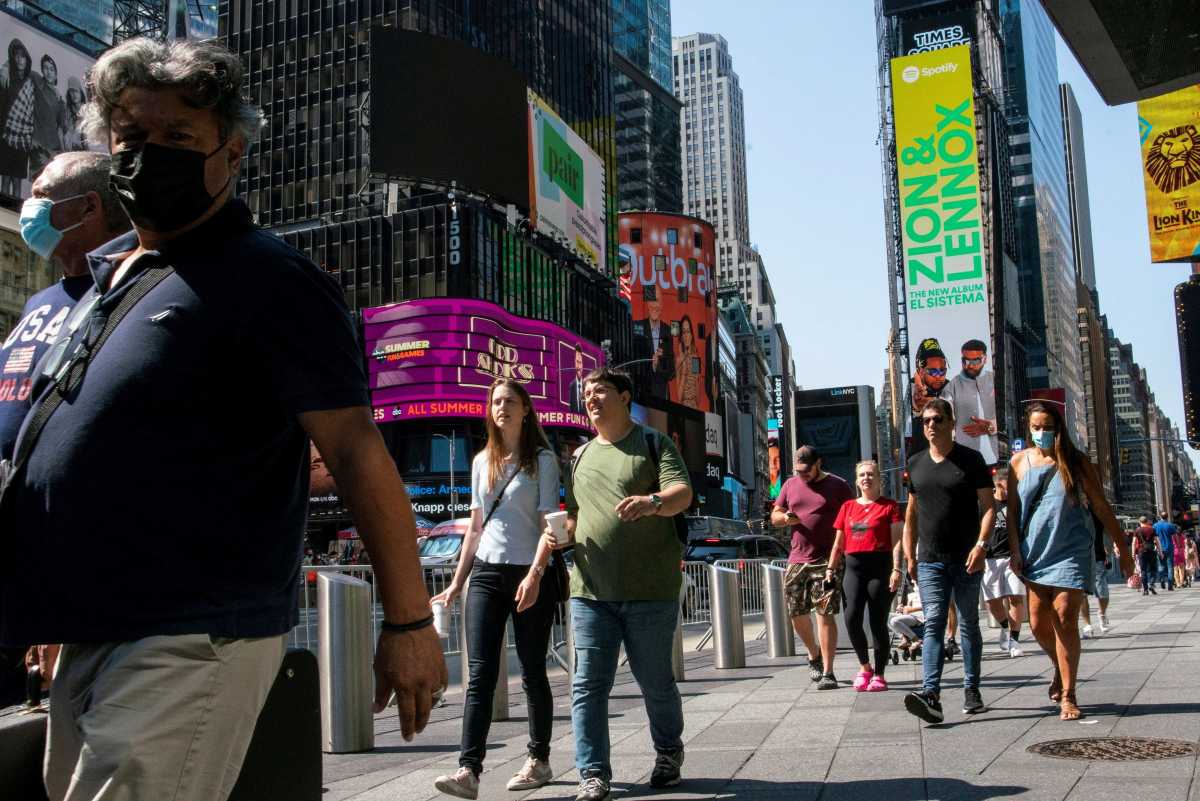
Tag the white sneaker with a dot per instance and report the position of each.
(533, 775)
(1014, 650)
(1087, 632)
(1104, 624)
(462, 784)
(1002, 644)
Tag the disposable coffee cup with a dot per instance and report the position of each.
(441, 618)
(558, 524)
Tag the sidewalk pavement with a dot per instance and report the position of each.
(764, 732)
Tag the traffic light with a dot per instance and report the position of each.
(1187, 319)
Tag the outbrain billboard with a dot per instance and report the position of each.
(667, 262)
(438, 357)
(566, 184)
(1168, 128)
(945, 275)
(42, 83)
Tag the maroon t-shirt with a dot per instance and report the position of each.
(817, 505)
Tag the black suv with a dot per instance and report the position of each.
(747, 546)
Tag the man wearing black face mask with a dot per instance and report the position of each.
(231, 350)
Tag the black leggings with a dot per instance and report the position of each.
(866, 589)
(489, 605)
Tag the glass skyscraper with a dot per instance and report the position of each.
(647, 129)
(1045, 246)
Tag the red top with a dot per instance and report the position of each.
(867, 526)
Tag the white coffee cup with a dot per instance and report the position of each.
(558, 524)
(441, 618)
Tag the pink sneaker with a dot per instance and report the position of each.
(878, 685)
(862, 680)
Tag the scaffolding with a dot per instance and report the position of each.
(134, 18)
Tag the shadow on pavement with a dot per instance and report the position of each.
(900, 789)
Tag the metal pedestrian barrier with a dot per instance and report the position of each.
(781, 640)
(345, 655)
(728, 634)
(500, 696)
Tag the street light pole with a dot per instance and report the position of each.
(453, 487)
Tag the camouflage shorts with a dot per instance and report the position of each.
(804, 586)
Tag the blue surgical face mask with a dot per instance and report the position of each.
(37, 230)
(1043, 439)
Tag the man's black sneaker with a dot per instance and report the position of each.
(1153, 591)
(924, 705)
(827, 682)
(951, 649)
(973, 701)
(666, 769)
(815, 668)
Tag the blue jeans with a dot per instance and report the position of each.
(1166, 573)
(648, 630)
(939, 583)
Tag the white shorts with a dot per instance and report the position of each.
(999, 581)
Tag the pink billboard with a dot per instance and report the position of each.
(437, 357)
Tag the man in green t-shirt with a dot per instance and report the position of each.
(625, 585)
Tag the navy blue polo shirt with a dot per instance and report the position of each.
(39, 327)
(169, 496)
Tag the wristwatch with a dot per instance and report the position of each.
(656, 501)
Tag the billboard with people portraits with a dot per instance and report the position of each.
(1168, 127)
(566, 185)
(42, 93)
(672, 293)
(437, 358)
(944, 259)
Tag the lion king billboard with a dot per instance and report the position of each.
(1167, 126)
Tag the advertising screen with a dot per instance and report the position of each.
(566, 185)
(672, 292)
(428, 105)
(686, 429)
(41, 100)
(1168, 128)
(945, 276)
(438, 357)
(925, 34)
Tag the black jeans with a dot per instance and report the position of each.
(489, 604)
(865, 587)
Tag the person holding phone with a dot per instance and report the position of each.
(809, 503)
(514, 483)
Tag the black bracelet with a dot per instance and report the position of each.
(403, 627)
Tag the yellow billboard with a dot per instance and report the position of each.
(1171, 170)
(945, 272)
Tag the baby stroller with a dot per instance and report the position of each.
(907, 627)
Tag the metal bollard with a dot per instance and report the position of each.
(500, 696)
(729, 640)
(677, 651)
(781, 639)
(344, 655)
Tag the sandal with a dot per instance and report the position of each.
(1055, 690)
(1070, 710)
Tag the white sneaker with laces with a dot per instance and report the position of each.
(1087, 633)
(1014, 650)
(533, 775)
(462, 784)
(1104, 624)
(1002, 644)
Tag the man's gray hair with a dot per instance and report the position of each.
(79, 172)
(209, 75)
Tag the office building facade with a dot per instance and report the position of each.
(713, 146)
(647, 112)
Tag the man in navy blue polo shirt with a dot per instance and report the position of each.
(188, 433)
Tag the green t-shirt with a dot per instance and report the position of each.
(614, 560)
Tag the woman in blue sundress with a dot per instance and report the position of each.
(1058, 490)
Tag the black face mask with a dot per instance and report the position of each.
(162, 188)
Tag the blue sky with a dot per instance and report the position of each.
(808, 73)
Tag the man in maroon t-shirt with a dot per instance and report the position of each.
(809, 502)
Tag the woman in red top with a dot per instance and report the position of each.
(867, 534)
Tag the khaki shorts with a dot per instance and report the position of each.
(804, 586)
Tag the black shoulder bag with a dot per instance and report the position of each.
(69, 376)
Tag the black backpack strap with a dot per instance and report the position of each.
(681, 529)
